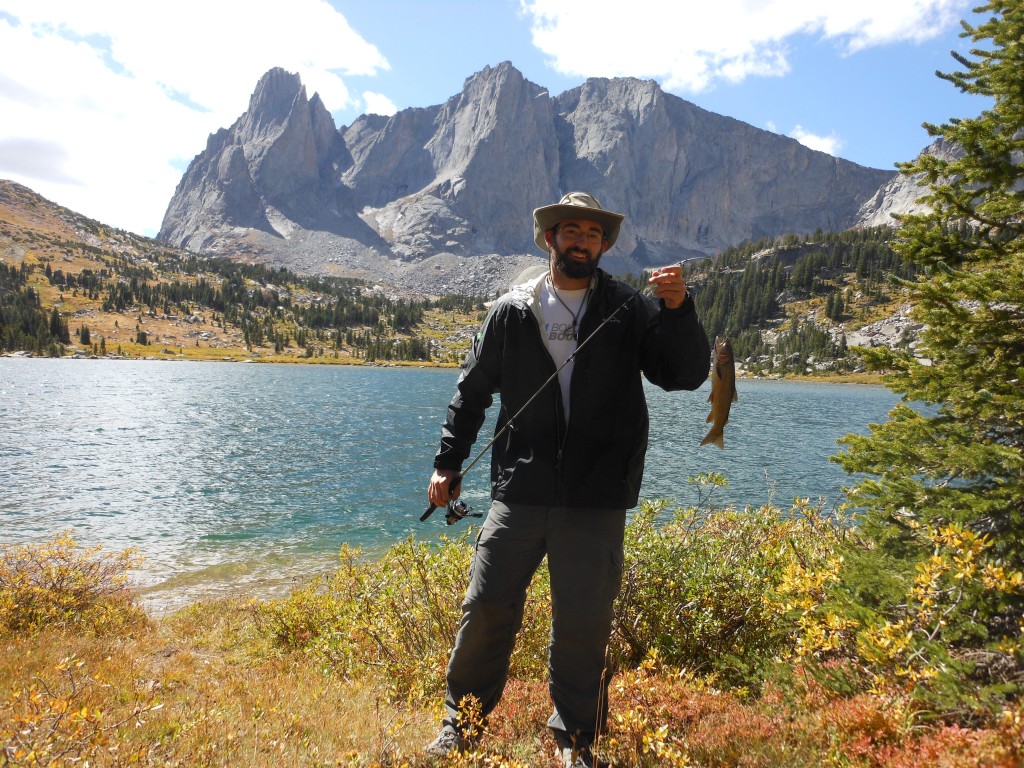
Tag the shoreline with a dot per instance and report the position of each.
(871, 379)
(238, 580)
(270, 563)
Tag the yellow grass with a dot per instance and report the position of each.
(199, 689)
(206, 686)
(183, 693)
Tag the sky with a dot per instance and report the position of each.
(103, 104)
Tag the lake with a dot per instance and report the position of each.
(235, 477)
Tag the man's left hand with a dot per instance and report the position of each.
(669, 285)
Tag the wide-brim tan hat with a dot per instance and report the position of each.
(575, 205)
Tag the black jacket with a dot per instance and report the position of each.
(596, 461)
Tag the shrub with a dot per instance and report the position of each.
(62, 718)
(879, 622)
(397, 614)
(933, 643)
(721, 592)
(56, 584)
(49, 726)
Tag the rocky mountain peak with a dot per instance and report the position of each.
(902, 194)
(430, 193)
(277, 93)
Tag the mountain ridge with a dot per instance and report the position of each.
(439, 198)
(792, 305)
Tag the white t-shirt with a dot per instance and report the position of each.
(562, 320)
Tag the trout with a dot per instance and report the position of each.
(723, 391)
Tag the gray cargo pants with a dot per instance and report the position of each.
(585, 557)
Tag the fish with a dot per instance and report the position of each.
(723, 391)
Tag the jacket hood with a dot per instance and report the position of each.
(527, 291)
(525, 295)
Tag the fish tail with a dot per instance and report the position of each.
(714, 440)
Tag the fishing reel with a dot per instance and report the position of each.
(459, 510)
(455, 510)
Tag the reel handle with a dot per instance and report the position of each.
(455, 483)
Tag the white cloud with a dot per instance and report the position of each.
(379, 104)
(44, 160)
(830, 144)
(689, 45)
(124, 94)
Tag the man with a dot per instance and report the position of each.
(567, 469)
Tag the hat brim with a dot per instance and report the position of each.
(545, 218)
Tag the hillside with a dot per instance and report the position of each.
(70, 285)
(796, 305)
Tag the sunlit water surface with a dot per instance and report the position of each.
(245, 477)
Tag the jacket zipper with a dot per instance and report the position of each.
(561, 426)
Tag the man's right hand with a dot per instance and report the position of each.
(439, 489)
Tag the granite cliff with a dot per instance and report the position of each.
(902, 194)
(439, 198)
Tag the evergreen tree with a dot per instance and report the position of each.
(944, 496)
(59, 327)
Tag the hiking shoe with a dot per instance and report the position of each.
(448, 742)
(580, 758)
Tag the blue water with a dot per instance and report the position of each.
(249, 477)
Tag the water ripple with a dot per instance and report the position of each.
(215, 470)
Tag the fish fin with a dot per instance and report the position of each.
(735, 396)
(718, 440)
(710, 418)
(711, 396)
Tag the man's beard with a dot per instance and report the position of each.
(571, 268)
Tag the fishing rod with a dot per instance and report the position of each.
(458, 509)
(461, 510)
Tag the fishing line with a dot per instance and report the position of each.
(460, 510)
